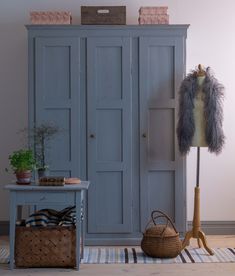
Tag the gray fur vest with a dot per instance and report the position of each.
(213, 112)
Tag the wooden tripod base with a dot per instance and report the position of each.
(196, 232)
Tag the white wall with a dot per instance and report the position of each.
(211, 41)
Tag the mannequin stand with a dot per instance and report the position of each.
(196, 231)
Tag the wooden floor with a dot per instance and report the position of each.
(214, 269)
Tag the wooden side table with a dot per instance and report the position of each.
(49, 195)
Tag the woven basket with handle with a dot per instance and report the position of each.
(161, 240)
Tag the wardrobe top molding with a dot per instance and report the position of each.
(71, 30)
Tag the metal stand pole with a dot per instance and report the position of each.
(198, 166)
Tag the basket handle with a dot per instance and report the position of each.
(162, 214)
(152, 221)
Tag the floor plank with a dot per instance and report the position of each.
(215, 269)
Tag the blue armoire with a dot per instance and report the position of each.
(113, 92)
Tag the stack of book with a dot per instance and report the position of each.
(153, 15)
(52, 181)
(58, 181)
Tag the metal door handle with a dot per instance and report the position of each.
(92, 136)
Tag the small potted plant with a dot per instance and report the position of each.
(22, 163)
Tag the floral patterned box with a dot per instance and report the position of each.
(152, 10)
(153, 15)
(50, 17)
(154, 19)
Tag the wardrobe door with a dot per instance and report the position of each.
(162, 183)
(109, 135)
(57, 100)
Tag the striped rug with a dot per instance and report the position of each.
(4, 254)
(112, 255)
(128, 255)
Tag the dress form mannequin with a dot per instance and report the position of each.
(199, 140)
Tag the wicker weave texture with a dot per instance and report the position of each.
(161, 247)
(161, 241)
(50, 17)
(45, 247)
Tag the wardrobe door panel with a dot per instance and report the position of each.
(161, 72)
(160, 139)
(109, 79)
(57, 100)
(59, 148)
(161, 191)
(109, 121)
(109, 135)
(110, 183)
(57, 73)
(162, 168)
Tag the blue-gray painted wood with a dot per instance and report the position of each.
(109, 135)
(103, 160)
(34, 195)
(177, 30)
(13, 207)
(208, 227)
(162, 177)
(57, 99)
(135, 135)
(78, 228)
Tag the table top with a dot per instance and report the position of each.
(35, 187)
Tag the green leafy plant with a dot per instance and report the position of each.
(22, 160)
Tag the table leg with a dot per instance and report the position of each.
(12, 227)
(83, 224)
(78, 227)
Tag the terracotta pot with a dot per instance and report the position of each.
(23, 178)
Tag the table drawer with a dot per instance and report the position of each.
(28, 197)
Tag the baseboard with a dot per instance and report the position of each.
(114, 241)
(209, 227)
(216, 227)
